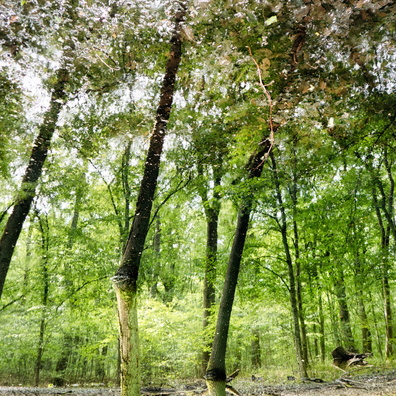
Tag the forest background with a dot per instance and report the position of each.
(318, 263)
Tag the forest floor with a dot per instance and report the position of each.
(380, 384)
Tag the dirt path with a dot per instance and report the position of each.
(370, 385)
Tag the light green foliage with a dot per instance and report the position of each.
(333, 109)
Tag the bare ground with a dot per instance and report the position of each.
(383, 384)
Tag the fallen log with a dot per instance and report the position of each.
(343, 359)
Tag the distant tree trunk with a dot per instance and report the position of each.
(44, 299)
(76, 215)
(100, 371)
(157, 257)
(367, 344)
(292, 277)
(384, 207)
(388, 317)
(334, 321)
(33, 172)
(386, 291)
(256, 349)
(296, 242)
(63, 360)
(322, 329)
(346, 330)
(216, 370)
(125, 279)
(316, 292)
(212, 211)
(364, 324)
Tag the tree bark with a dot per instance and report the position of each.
(216, 370)
(32, 174)
(125, 279)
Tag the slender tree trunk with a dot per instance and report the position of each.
(256, 349)
(334, 323)
(367, 344)
(364, 323)
(322, 329)
(210, 277)
(157, 258)
(125, 280)
(76, 215)
(216, 370)
(378, 337)
(44, 301)
(386, 292)
(32, 174)
(388, 317)
(384, 207)
(293, 194)
(212, 211)
(302, 364)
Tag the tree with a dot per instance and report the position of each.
(216, 370)
(33, 172)
(125, 279)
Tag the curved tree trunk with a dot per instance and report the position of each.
(125, 280)
(33, 172)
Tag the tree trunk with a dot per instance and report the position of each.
(216, 370)
(346, 330)
(76, 215)
(44, 300)
(212, 211)
(125, 280)
(32, 174)
(293, 194)
(157, 258)
(256, 349)
(367, 344)
(322, 330)
(384, 207)
(302, 364)
(388, 317)
(385, 242)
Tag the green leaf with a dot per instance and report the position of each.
(271, 20)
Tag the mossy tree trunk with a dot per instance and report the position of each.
(125, 280)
